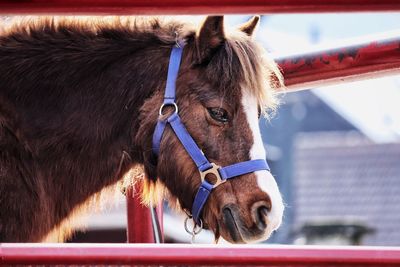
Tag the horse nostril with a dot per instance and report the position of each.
(260, 214)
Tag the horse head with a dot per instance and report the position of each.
(223, 84)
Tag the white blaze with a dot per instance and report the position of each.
(265, 180)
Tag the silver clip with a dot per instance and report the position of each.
(196, 228)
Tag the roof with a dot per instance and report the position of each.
(344, 175)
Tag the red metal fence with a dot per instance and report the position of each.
(140, 215)
(162, 7)
(364, 60)
(167, 255)
(369, 59)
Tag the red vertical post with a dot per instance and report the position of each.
(139, 226)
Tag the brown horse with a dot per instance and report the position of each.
(79, 101)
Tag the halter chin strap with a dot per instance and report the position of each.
(222, 174)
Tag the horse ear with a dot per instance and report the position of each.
(249, 27)
(210, 36)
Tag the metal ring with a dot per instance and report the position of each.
(168, 104)
(196, 228)
(186, 226)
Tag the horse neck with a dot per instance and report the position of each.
(79, 124)
(114, 116)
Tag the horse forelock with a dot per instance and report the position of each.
(243, 64)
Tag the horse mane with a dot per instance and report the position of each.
(119, 28)
(245, 63)
(239, 61)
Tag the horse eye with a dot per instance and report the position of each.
(218, 114)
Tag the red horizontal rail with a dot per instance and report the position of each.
(157, 7)
(199, 255)
(357, 61)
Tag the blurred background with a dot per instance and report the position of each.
(335, 151)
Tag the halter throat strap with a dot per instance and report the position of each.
(222, 174)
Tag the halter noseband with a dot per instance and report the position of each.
(222, 174)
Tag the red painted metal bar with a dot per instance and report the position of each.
(354, 62)
(139, 226)
(158, 7)
(146, 254)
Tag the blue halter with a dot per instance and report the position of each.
(222, 174)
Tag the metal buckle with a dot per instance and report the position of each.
(213, 170)
(166, 105)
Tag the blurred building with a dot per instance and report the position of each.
(345, 177)
(300, 112)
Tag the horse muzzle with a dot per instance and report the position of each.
(248, 228)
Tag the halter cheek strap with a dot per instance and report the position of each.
(222, 174)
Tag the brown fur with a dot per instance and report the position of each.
(79, 101)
